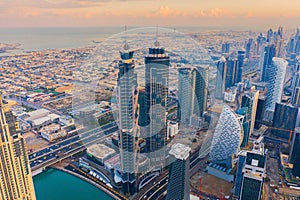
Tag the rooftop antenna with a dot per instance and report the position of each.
(156, 43)
(126, 46)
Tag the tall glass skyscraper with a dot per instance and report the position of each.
(295, 146)
(221, 78)
(276, 76)
(240, 65)
(179, 176)
(127, 101)
(15, 174)
(157, 64)
(192, 92)
(268, 54)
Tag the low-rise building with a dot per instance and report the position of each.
(53, 132)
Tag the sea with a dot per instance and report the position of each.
(36, 39)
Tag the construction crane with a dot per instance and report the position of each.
(286, 130)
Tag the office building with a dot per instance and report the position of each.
(127, 120)
(15, 174)
(286, 118)
(279, 42)
(200, 88)
(179, 175)
(239, 173)
(250, 100)
(296, 89)
(157, 64)
(295, 146)
(254, 173)
(192, 92)
(244, 111)
(275, 86)
(240, 65)
(227, 138)
(248, 48)
(221, 78)
(266, 61)
(185, 90)
(231, 73)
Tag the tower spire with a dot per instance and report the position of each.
(156, 43)
(126, 46)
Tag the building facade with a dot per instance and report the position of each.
(179, 175)
(15, 174)
(127, 102)
(157, 64)
(276, 76)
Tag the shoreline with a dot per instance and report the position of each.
(87, 180)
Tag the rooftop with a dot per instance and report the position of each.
(180, 151)
(100, 150)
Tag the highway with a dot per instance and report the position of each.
(70, 146)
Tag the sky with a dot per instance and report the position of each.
(89, 13)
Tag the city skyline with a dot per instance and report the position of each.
(87, 13)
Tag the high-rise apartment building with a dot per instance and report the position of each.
(157, 64)
(127, 101)
(15, 174)
(179, 175)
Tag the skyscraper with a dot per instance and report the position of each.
(227, 138)
(185, 90)
(244, 111)
(226, 47)
(266, 61)
(295, 146)
(127, 97)
(231, 73)
(254, 173)
(250, 100)
(157, 77)
(275, 86)
(286, 118)
(179, 176)
(200, 88)
(15, 174)
(221, 78)
(279, 42)
(239, 173)
(240, 65)
(296, 89)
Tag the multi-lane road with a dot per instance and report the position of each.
(67, 147)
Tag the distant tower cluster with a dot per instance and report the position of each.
(229, 73)
(15, 174)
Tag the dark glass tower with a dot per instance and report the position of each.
(240, 65)
(269, 53)
(295, 146)
(127, 95)
(286, 117)
(157, 64)
(179, 176)
(239, 174)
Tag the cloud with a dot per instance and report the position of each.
(215, 12)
